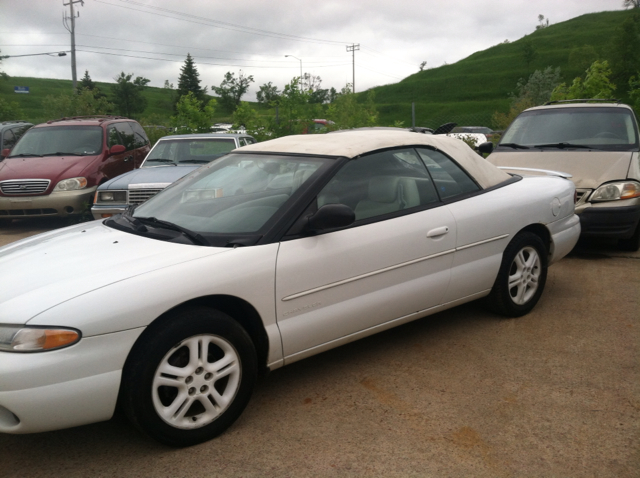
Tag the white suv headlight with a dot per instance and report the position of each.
(22, 338)
(616, 191)
(71, 184)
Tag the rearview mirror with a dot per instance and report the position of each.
(117, 149)
(331, 216)
(486, 148)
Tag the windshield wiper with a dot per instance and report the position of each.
(25, 155)
(194, 236)
(59, 153)
(162, 160)
(195, 161)
(513, 145)
(563, 146)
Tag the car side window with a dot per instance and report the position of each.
(380, 184)
(450, 179)
(126, 133)
(8, 139)
(139, 136)
(113, 137)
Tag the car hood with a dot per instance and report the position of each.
(54, 168)
(40, 272)
(156, 175)
(589, 168)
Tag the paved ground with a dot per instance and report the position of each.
(462, 393)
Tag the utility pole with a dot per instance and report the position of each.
(69, 23)
(353, 49)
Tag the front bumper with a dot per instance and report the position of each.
(60, 204)
(564, 236)
(65, 388)
(101, 212)
(605, 222)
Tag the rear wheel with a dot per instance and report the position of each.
(189, 377)
(522, 276)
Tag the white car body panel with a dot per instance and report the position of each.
(358, 272)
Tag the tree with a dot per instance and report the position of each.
(581, 57)
(3, 75)
(624, 51)
(529, 52)
(127, 94)
(192, 116)
(348, 113)
(82, 102)
(189, 81)
(631, 3)
(9, 110)
(634, 93)
(312, 84)
(422, 65)
(539, 86)
(87, 83)
(246, 117)
(542, 23)
(268, 94)
(595, 85)
(232, 89)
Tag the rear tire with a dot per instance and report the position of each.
(521, 277)
(189, 377)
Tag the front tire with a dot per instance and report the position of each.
(521, 277)
(189, 377)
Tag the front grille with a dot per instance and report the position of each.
(582, 195)
(138, 196)
(24, 187)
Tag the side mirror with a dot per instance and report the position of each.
(331, 216)
(5, 152)
(486, 148)
(117, 149)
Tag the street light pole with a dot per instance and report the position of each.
(300, 85)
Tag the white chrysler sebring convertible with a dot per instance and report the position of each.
(276, 252)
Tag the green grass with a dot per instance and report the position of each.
(467, 92)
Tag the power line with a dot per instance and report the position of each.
(218, 24)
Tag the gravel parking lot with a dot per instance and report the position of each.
(461, 393)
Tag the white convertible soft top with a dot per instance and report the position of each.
(354, 143)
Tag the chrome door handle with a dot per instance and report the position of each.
(438, 231)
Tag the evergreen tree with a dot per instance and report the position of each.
(189, 81)
(86, 83)
(127, 94)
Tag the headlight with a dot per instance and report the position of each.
(111, 197)
(22, 338)
(616, 191)
(71, 184)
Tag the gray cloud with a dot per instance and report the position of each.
(148, 38)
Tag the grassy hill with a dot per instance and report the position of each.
(467, 92)
(470, 90)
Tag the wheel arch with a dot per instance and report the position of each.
(239, 310)
(543, 233)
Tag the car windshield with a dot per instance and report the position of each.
(60, 140)
(236, 195)
(188, 151)
(599, 128)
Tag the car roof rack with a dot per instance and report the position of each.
(584, 100)
(100, 118)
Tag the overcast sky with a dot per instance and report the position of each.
(151, 38)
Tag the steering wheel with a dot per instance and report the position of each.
(607, 134)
